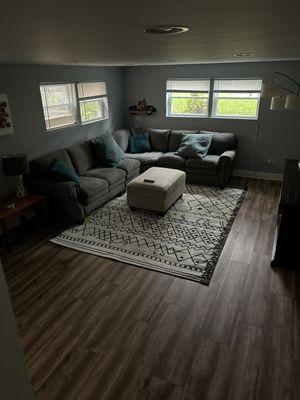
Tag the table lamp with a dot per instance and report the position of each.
(16, 165)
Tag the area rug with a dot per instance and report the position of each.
(186, 242)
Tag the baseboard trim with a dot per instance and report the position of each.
(258, 175)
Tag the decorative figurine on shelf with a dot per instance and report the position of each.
(141, 108)
(141, 105)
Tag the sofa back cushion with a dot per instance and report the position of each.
(122, 136)
(82, 157)
(39, 167)
(221, 142)
(176, 137)
(158, 138)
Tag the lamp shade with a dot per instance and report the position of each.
(278, 103)
(15, 164)
(292, 102)
(270, 90)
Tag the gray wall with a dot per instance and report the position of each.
(279, 131)
(21, 84)
(14, 381)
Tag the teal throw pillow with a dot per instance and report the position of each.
(194, 145)
(107, 150)
(140, 143)
(61, 170)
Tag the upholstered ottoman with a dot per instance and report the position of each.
(156, 189)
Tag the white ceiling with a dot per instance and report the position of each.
(110, 32)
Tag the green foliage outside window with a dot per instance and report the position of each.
(89, 110)
(189, 106)
(237, 107)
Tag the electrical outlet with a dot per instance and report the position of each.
(271, 161)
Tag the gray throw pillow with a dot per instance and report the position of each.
(107, 149)
(194, 145)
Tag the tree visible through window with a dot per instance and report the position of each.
(93, 101)
(187, 97)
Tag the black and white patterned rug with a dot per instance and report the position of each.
(186, 242)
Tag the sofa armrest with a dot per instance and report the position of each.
(228, 156)
(226, 163)
(50, 188)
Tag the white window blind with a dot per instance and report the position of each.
(91, 89)
(93, 101)
(187, 97)
(188, 85)
(236, 98)
(59, 105)
(245, 85)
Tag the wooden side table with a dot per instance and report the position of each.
(22, 206)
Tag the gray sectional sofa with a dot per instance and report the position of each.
(214, 169)
(98, 184)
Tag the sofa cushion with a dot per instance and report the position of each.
(210, 162)
(90, 188)
(130, 166)
(158, 138)
(194, 145)
(221, 142)
(145, 158)
(40, 166)
(111, 175)
(82, 157)
(122, 136)
(107, 149)
(176, 136)
(171, 160)
(139, 143)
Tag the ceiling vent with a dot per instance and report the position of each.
(166, 29)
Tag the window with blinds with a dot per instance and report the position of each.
(59, 105)
(93, 101)
(187, 97)
(236, 98)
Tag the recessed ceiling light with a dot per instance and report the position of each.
(243, 54)
(166, 29)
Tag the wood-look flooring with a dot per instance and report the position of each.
(97, 329)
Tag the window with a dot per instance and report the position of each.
(213, 98)
(92, 101)
(237, 98)
(59, 105)
(187, 97)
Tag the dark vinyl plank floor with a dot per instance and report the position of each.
(94, 328)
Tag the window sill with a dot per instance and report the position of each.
(212, 117)
(187, 116)
(93, 121)
(60, 128)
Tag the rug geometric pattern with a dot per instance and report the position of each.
(185, 242)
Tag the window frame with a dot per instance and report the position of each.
(90, 98)
(215, 98)
(58, 128)
(212, 103)
(169, 98)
